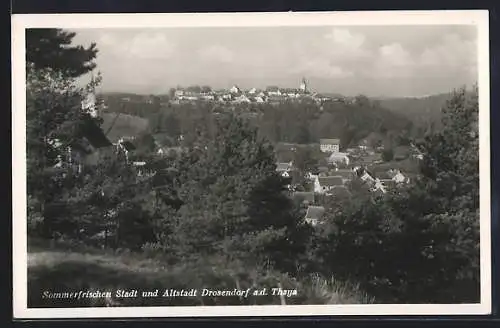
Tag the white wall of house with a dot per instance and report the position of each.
(399, 178)
(317, 186)
(332, 148)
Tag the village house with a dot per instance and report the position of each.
(367, 177)
(273, 91)
(260, 100)
(235, 89)
(314, 215)
(415, 152)
(252, 91)
(242, 99)
(329, 145)
(338, 157)
(363, 145)
(323, 185)
(366, 160)
(284, 169)
(178, 93)
(397, 176)
(346, 174)
(208, 97)
(306, 198)
(85, 151)
(322, 171)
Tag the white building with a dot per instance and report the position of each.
(323, 185)
(242, 99)
(284, 169)
(338, 157)
(314, 215)
(234, 89)
(329, 145)
(179, 93)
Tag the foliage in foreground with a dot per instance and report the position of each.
(58, 270)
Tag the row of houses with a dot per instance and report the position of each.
(271, 94)
(332, 180)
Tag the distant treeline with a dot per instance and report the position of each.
(296, 122)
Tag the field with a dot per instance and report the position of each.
(65, 268)
(124, 125)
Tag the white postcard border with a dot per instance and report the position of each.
(20, 22)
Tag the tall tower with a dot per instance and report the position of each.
(303, 85)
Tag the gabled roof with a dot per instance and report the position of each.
(304, 195)
(340, 191)
(129, 146)
(344, 173)
(94, 134)
(385, 176)
(338, 155)
(331, 181)
(282, 166)
(388, 183)
(315, 212)
(329, 141)
(371, 158)
(323, 169)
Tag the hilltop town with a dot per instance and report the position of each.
(236, 95)
(329, 171)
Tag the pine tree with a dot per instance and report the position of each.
(52, 48)
(233, 198)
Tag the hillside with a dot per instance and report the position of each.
(123, 125)
(353, 123)
(297, 122)
(419, 110)
(63, 267)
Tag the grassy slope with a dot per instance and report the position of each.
(62, 269)
(125, 125)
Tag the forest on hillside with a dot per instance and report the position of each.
(294, 122)
(422, 111)
(219, 215)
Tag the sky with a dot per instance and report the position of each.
(378, 61)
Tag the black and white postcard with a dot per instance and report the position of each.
(251, 164)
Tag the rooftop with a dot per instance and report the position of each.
(282, 166)
(329, 141)
(94, 134)
(315, 212)
(304, 196)
(331, 181)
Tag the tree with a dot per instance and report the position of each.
(233, 200)
(52, 48)
(53, 123)
(419, 244)
(145, 143)
(206, 89)
(388, 155)
(304, 159)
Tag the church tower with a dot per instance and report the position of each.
(303, 85)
